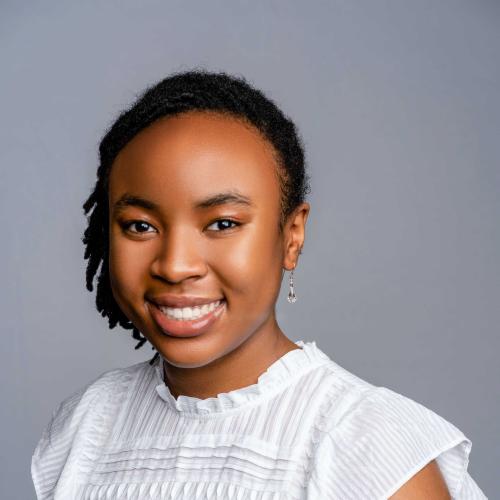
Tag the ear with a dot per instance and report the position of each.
(294, 235)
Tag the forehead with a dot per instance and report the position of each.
(189, 156)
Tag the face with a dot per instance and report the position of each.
(194, 204)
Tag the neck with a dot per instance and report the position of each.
(238, 368)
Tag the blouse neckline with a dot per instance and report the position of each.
(276, 377)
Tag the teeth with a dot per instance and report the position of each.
(189, 313)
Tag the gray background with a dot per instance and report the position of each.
(398, 104)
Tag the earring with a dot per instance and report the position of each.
(291, 294)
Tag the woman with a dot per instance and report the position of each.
(198, 209)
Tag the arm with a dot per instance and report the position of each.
(428, 483)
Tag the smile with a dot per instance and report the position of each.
(189, 313)
(187, 321)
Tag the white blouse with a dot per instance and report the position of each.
(308, 429)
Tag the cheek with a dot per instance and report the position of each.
(251, 265)
(126, 269)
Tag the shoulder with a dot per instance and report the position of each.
(376, 439)
(73, 408)
(72, 418)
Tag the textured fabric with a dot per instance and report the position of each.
(308, 429)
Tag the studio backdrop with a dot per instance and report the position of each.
(398, 105)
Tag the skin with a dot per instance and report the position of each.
(179, 249)
(174, 163)
(428, 483)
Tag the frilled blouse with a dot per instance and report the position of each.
(308, 429)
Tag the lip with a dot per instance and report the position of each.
(169, 300)
(185, 328)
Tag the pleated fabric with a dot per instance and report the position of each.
(307, 430)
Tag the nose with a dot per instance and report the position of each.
(179, 256)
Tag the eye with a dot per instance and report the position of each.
(126, 225)
(223, 224)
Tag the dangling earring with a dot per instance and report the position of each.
(291, 294)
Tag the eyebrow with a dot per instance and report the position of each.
(227, 197)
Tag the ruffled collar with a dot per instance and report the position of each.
(278, 375)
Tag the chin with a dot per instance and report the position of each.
(191, 352)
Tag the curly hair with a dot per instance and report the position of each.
(194, 90)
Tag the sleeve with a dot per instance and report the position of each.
(380, 442)
(53, 451)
